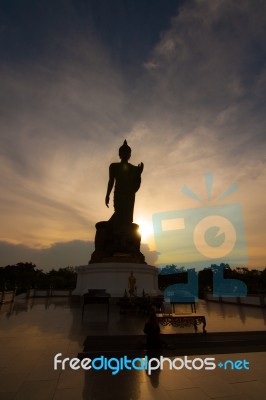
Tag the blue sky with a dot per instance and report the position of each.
(182, 81)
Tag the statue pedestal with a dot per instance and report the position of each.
(114, 278)
(117, 246)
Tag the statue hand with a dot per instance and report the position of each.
(141, 167)
(107, 201)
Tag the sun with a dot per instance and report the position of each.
(145, 228)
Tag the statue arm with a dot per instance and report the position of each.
(110, 185)
(139, 172)
(141, 167)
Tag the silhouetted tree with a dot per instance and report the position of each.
(24, 276)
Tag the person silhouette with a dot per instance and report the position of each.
(152, 330)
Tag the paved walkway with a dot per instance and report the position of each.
(32, 332)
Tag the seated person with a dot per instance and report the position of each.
(152, 330)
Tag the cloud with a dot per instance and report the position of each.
(204, 89)
(197, 106)
(59, 255)
(204, 72)
(60, 115)
(150, 255)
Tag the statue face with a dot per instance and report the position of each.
(124, 154)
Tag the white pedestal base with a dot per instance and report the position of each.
(114, 278)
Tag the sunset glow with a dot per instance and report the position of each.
(186, 89)
(145, 229)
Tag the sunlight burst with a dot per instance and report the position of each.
(145, 228)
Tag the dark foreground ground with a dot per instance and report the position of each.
(33, 332)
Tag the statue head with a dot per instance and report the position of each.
(125, 151)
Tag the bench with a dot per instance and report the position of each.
(192, 305)
(96, 296)
(142, 304)
(182, 321)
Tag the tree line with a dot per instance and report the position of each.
(253, 278)
(25, 275)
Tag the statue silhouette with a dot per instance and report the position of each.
(127, 179)
(118, 240)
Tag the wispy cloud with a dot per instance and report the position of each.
(197, 106)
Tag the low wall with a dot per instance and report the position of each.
(256, 300)
(49, 292)
(114, 278)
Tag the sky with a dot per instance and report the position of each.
(183, 81)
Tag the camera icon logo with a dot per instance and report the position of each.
(201, 236)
